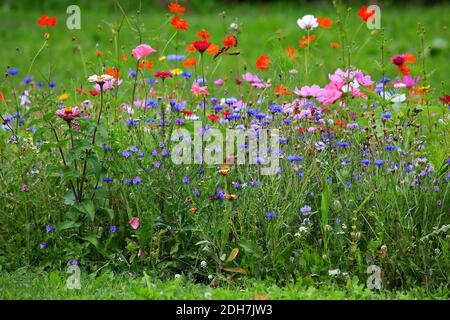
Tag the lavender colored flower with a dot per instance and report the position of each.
(271, 215)
(112, 229)
(43, 245)
(126, 153)
(137, 180)
(186, 180)
(49, 228)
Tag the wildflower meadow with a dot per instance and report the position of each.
(223, 150)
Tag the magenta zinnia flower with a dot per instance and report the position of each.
(68, 113)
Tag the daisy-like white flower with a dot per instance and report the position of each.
(308, 22)
(100, 79)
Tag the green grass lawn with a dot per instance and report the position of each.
(52, 285)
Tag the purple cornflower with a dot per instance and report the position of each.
(43, 245)
(254, 183)
(305, 209)
(294, 158)
(73, 262)
(220, 194)
(186, 180)
(137, 180)
(112, 229)
(49, 228)
(126, 153)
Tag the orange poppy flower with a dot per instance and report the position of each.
(335, 45)
(146, 64)
(124, 57)
(179, 23)
(263, 63)
(230, 41)
(324, 22)
(1, 96)
(423, 89)
(403, 68)
(306, 40)
(213, 49)
(112, 72)
(203, 34)
(281, 90)
(190, 48)
(224, 169)
(365, 14)
(190, 62)
(99, 53)
(176, 8)
(292, 52)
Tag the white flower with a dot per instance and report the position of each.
(234, 26)
(177, 276)
(210, 276)
(396, 98)
(208, 295)
(334, 272)
(103, 78)
(303, 229)
(203, 264)
(308, 22)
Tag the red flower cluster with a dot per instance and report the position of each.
(46, 21)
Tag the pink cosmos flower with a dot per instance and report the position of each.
(219, 82)
(407, 81)
(142, 51)
(261, 85)
(251, 78)
(196, 89)
(108, 84)
(135, 223)
(330, 95)
(68, 113)
(313, 91)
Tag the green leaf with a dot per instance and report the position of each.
(87, 207)
(67, 225)
(325, 206)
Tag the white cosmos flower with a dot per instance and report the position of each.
(102, 78)
(395, 98)
(308, 22)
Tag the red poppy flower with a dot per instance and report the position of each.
(230, 41)
(203, 34)
(201, 45)
(93, 93)
(179, 23)
(263, 63)
(46, 21)
(445, 100)
(176, 8)
(1, 96)
(365, 14)
(213, 118)
(324, 22)
(226, 113)
(146, 64)
(187, 112)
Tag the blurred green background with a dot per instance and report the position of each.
(266, 28)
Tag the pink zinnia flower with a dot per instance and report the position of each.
(68, 113)
(142, 51)
(135, 223)
(25, 188)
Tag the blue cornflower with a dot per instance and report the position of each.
(379, 163)
(220, 194)
(73, 262)
(112, 229)
(305, 209)
(134, 148)
(52, 84)
(12, 71)
(294, 158)
(49, 228)
(27, 80)
(365, 162)
(107, 180)
(271, 215)
(390, 148)
(186, 75)
(386, 115)
(132, 73)
(43, 245)
(197, 192)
